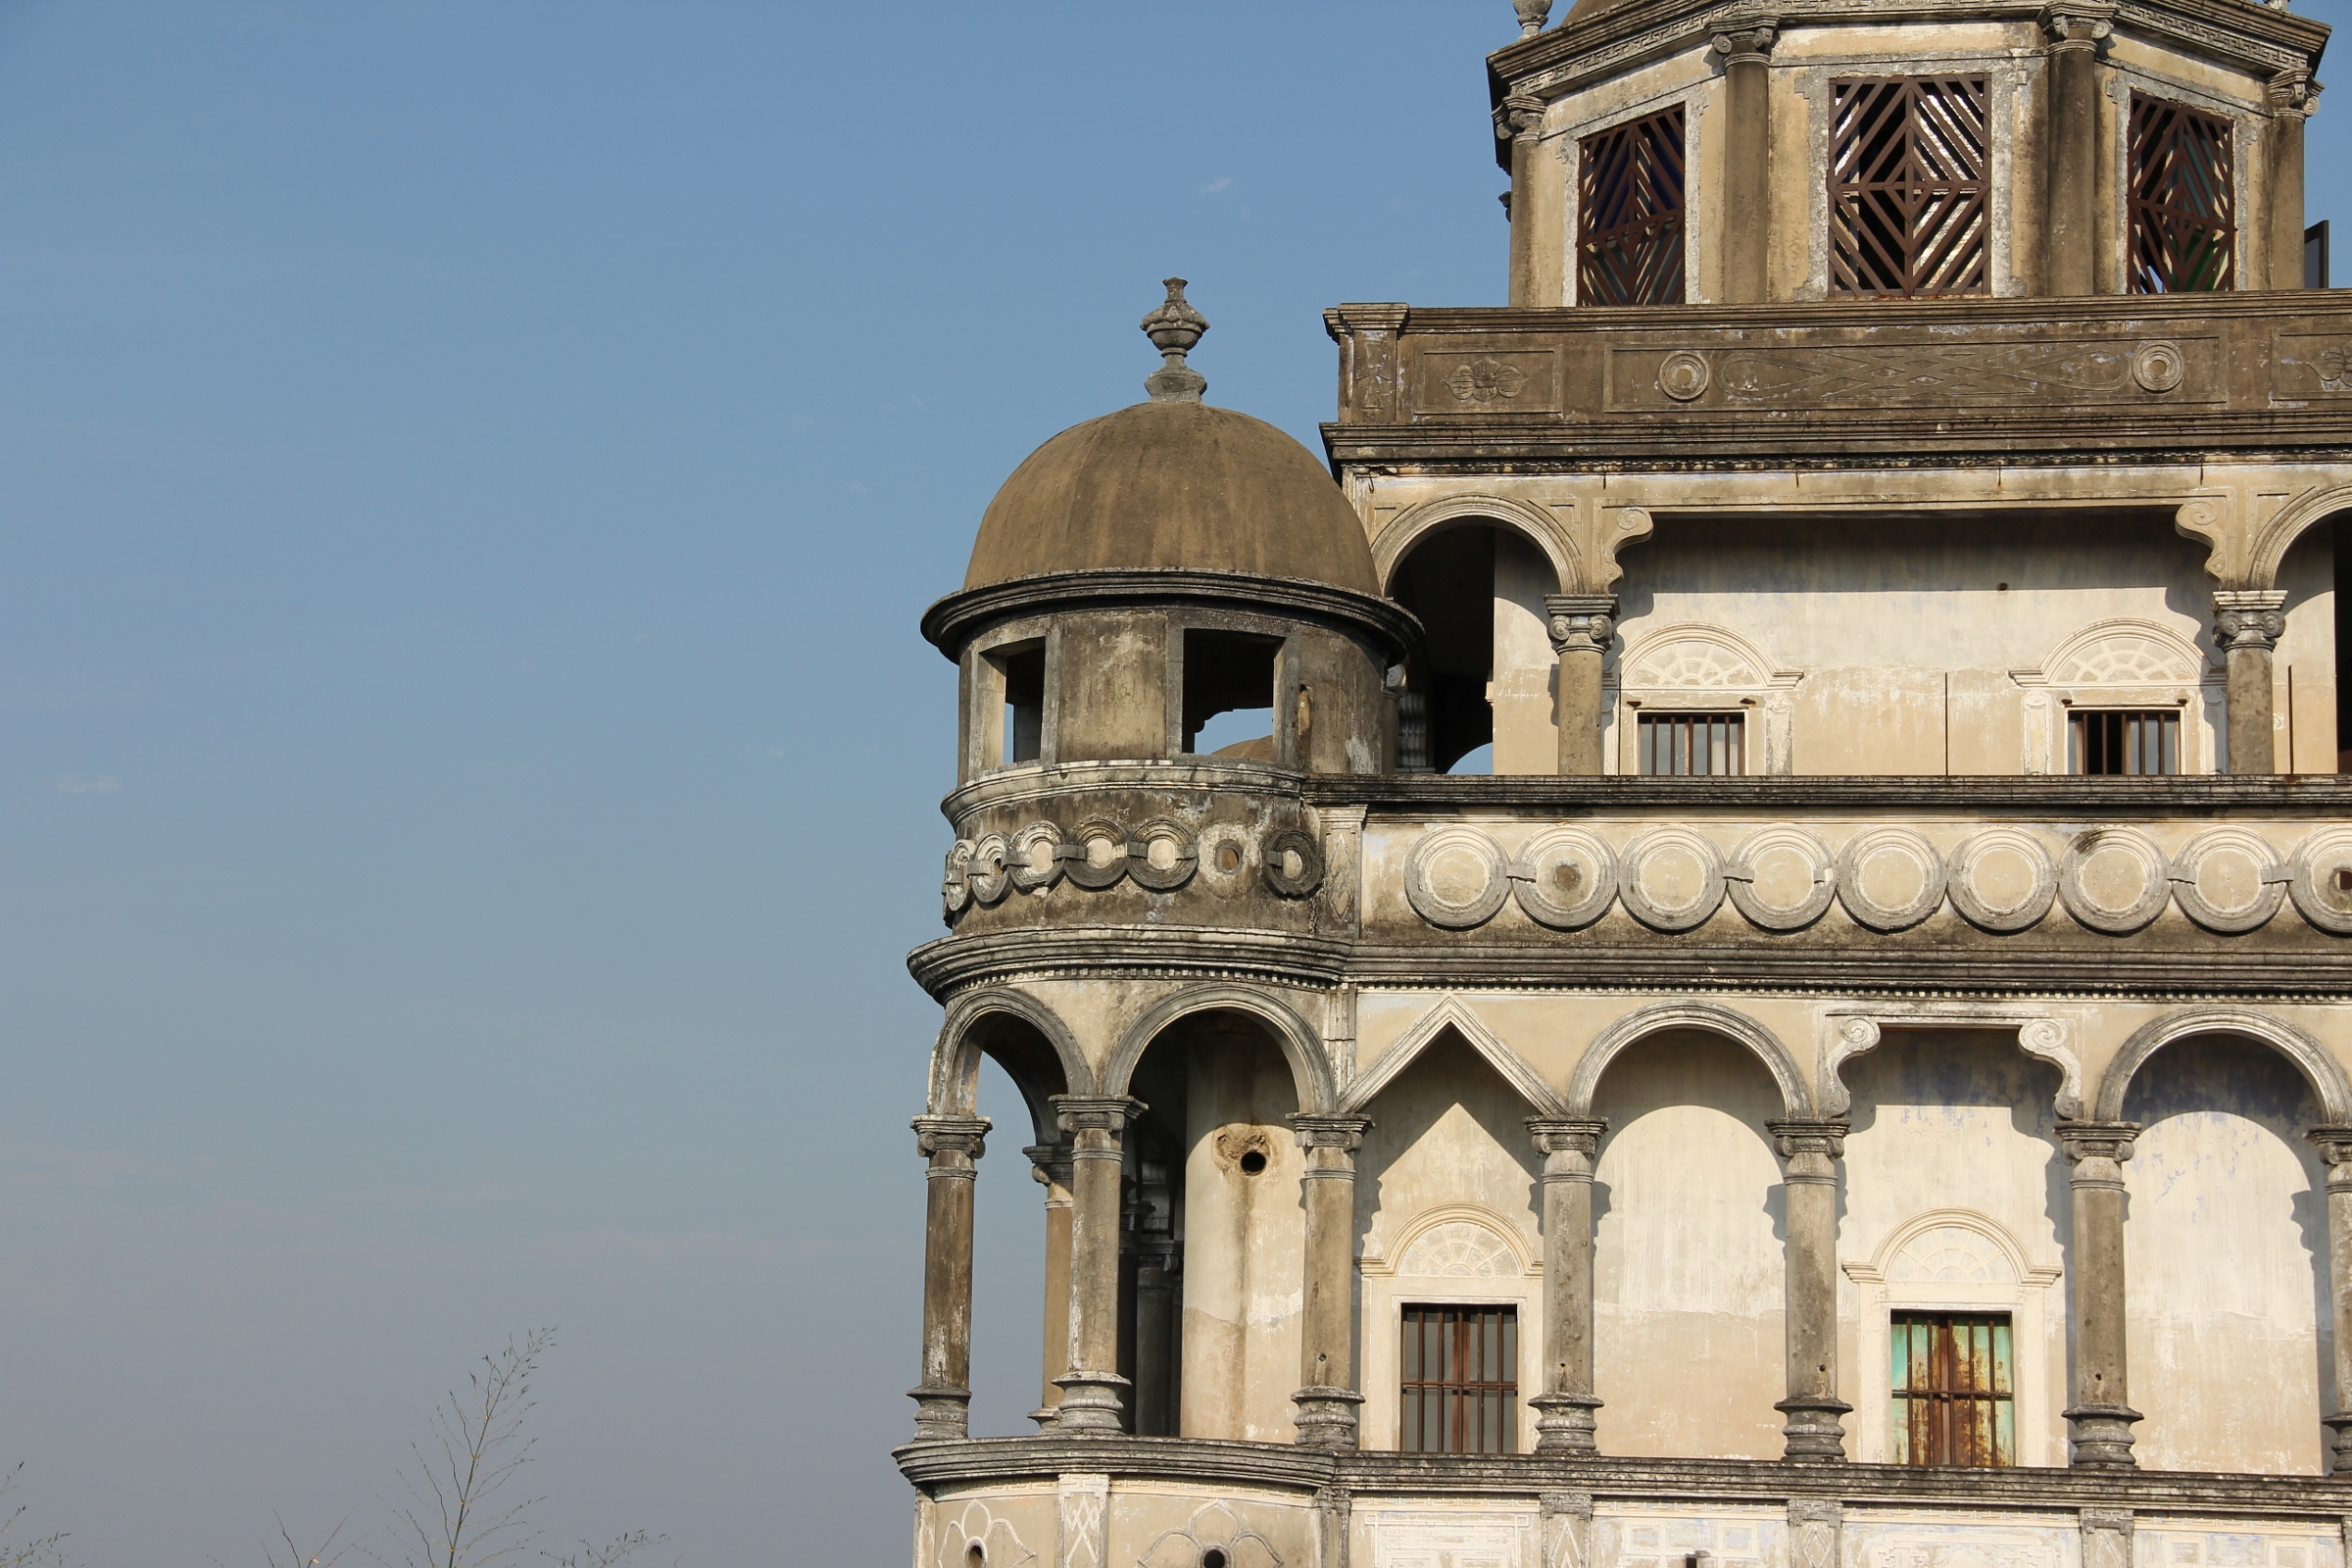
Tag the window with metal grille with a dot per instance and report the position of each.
(2183, 206)
(1954, 1389)
(1693, 743)
(1909, 209)
(2123, 741)
(1461, 1380)
(1629, 223)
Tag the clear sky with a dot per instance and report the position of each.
(469, 774)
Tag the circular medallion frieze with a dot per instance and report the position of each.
(1890, 878)
(1224, 851)
(956, 883)
(1564, 878)
(1781, 879)
(2002, 880)
(990, 881)
(2319, 878)
(2159, 366)
(1098, 857)
(1684, 375)
(1456, 878)
(1036, 858)
(1160, 856)
(2228, 879)
(2114, 880)
(1671, 879)
(1294, 862)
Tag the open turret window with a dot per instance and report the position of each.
(1908, 202)
(1629, 239)
(2183, 227)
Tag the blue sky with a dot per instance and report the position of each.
(469, 776)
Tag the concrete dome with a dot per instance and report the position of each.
(1173, 484)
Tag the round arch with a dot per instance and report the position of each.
(955, 1058)
(2279, 535)
(1417, 522)
(2322, 1071)
(1302, 1046)
(1797, 1101)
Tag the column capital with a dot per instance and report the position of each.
(1316, 1131)
(950, 1135)
(1824, 1137)
(2249, 617)
(1567, 1134)
(2085, 1141)
(1581, 623)
(2078, 25)
(1094, 1114)
(1519, 114)
(2335, 1145)
(1747, 39)
(2294, 92)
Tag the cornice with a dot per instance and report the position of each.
(954, 620)
(1029, 784)
(1832, 442)
(952, 963)
(1965, 793)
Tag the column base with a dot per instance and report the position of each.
(2338, 1441)
(941, 1414)
(1814, 1431)
(1564, 1423)
(1044, 1415)
(2102, 1436)
(1326, 1417)
(1091, 1407)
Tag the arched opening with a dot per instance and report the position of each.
(2227, 1332)
(2307, 668)
(1961, 1124)
(1479, 698)
(1213, 1234)
(1689, 1274)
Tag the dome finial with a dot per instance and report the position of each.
(1173, 329)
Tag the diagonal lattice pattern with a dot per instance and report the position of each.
(1630, 214)
(2184, 218)
(1907, 186)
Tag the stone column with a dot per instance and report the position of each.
(2099, 1421)
(1050, 1166)
(2294, 97)
(1521, 120)
(1567, 1524)
(1091, 1404)
(942, 1403)
(1328, 1396)
(2247, 623)
(1564, 1409)
(1581, 626)
(1746, 51)
(2071, 182)
(2335, 1145)
(1809, 1155)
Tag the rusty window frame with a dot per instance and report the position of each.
(1628, 213)
(2183, 201)
(1461, 1378)
(1676, 744)
(1909, 177)
(1954, 1382)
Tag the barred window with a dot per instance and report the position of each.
(2182, 207)
(1629, 237)
(1461, 1380)
(1908, 199)
(1693, 743)
(2123, 741)
(1954, 1383)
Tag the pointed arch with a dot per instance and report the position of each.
(2320, 1069)
(1048, 1063)
(1796, 1100)
(1302, 1046)
(1451, 1012)
(1416, 524)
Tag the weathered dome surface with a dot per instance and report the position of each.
(1173, 485)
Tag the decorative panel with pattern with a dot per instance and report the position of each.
(1908, 202)
(2182, 205)
(1629, 238)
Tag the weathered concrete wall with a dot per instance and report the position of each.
(2225, 1255)
(1688, 1273)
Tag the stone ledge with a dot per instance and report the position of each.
(1965, 793)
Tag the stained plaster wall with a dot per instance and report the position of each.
(2228, 1337)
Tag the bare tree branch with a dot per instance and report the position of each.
(456, 1515)
(43, 1553)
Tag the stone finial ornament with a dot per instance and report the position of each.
(1533, 15)
(1173, 329)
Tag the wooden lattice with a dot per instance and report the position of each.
(2184, 215)
(1629, 242)
(1907, 186)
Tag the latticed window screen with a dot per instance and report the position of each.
(1908, 210)
(1629, 237)
(1691, 743)
(1954, 1389)
(1461, 1380)
(2123, 741)
(2182, 209)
